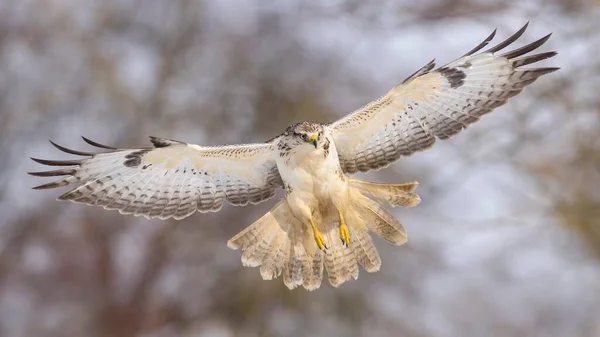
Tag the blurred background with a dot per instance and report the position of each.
(505, 243)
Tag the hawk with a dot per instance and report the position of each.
(325, 218)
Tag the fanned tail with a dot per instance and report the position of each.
(283, 246)
(280, 246)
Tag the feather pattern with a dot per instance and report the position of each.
(435, 104)
(366, 253)
(383, 224)
(171, 180)
(400, 194)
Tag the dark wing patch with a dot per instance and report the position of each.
(164, 142)
(134, 159)
(455, 76)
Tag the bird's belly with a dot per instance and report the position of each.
(315, 190)
(320, 183)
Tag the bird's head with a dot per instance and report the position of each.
(305, 135)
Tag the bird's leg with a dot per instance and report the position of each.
(344, 230)
(319, 239)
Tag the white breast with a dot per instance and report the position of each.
(312, 179)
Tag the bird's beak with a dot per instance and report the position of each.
(313, 139)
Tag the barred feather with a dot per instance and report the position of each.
(380, 222)
(171, 180)
(392, 194)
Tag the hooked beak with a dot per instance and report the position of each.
(313, 139)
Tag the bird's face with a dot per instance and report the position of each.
(306, 136)
(310, 138)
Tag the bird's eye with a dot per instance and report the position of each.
(304, 136)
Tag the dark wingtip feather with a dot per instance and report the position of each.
(508, 41)
(532, 59)
(54, 184)
(93, 143)
(63, 172)
(430, 65)
(482, 44)
(69, 151)
(164, 142)
(423, 70)
(543, 71)
(56, 162)
(527, 48)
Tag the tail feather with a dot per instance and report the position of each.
(255, 255)
(335, 261)
(273, 266)
(299, 269)
(345, 258)
(312, 264)
(249, 235)
(293, 264)
(366, 253)
(351, 263)
(400, 194)
(278, 257)
(382, 223)
(270, 268)
(292, 271)
(317, 272)
(256, 240)
(303, 269)
(307, 275)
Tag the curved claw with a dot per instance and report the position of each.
(319, 238)
(344, 230)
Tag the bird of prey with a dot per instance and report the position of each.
(325, 219)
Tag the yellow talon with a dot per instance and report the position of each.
(344, 230)
(319, 239)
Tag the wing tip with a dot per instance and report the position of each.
(56, 162)
(484, 43)
(422, 71)
(509, 40)
(526, 48)
(53, 173)
(96, 144)
(546, 70)
(54, 184)
(519, 62)
(70, 151)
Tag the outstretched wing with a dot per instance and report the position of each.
(172, 179)
(435, 104)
